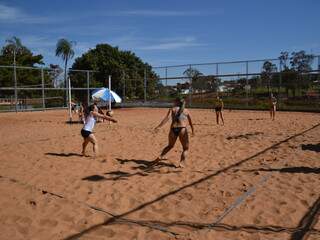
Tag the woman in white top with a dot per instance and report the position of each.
(87, 129)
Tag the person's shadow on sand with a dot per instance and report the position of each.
(302, 169)
(64, 154)
(311, 147)
(115, 175)
(144, 164)
(146, 167)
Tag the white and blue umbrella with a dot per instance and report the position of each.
(103, 94)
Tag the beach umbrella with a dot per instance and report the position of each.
(103, 94)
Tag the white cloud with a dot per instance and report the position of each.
(163, 13)
(37, 41)
(132, 42)
(158, 13)
(173, 44)
(10, 14)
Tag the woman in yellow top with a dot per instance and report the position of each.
(218, 108)
(180, 117)
(273, 106)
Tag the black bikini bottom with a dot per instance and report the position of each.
(85, 133)
(176, 130)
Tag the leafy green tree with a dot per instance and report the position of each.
(289, 80)
(254, 81)
(208, 83)
(284, 56)
(268, 69)
(127, 71)
(301, 62)
(14, 52)
(292, 77)
(194, 77)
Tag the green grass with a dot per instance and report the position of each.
(6, 107)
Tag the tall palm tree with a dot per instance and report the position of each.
(65, 51)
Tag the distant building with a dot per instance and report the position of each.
(228, 86)
(183, 88)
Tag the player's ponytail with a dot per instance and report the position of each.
(181, 104)
(88, 109)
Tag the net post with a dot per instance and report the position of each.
(15, 80)
(109, 92)
(69, 93)
(42, 86)
(166, 81)
(217, 73)
(247, 83)
(145, 84)
(123, 86)
(190, 89)
(280, 83)
(88, 88)
(166, 72)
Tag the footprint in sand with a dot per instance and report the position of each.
(187, 196)
(49, 223)
(104, 232)
(22, 229)
(65, 217)
(146, 214)
(25, 221)
(156, 209)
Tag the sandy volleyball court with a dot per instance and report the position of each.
(250, 179)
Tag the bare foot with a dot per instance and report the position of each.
(84, 154)
(158, 159)
(182, 165)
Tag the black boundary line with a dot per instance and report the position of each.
(225, 227)
(143, 224)
(160, 228)
(307, 222)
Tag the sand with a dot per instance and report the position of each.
(48, 191)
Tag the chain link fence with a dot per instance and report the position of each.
(241, 84)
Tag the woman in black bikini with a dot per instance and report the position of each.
(180, 119)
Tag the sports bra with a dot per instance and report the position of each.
(90, 122)
(181, 117)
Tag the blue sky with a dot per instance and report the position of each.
(169, 31)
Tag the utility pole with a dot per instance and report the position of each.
(145, 85)
(15, 79)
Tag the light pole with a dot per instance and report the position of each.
(15, 79)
